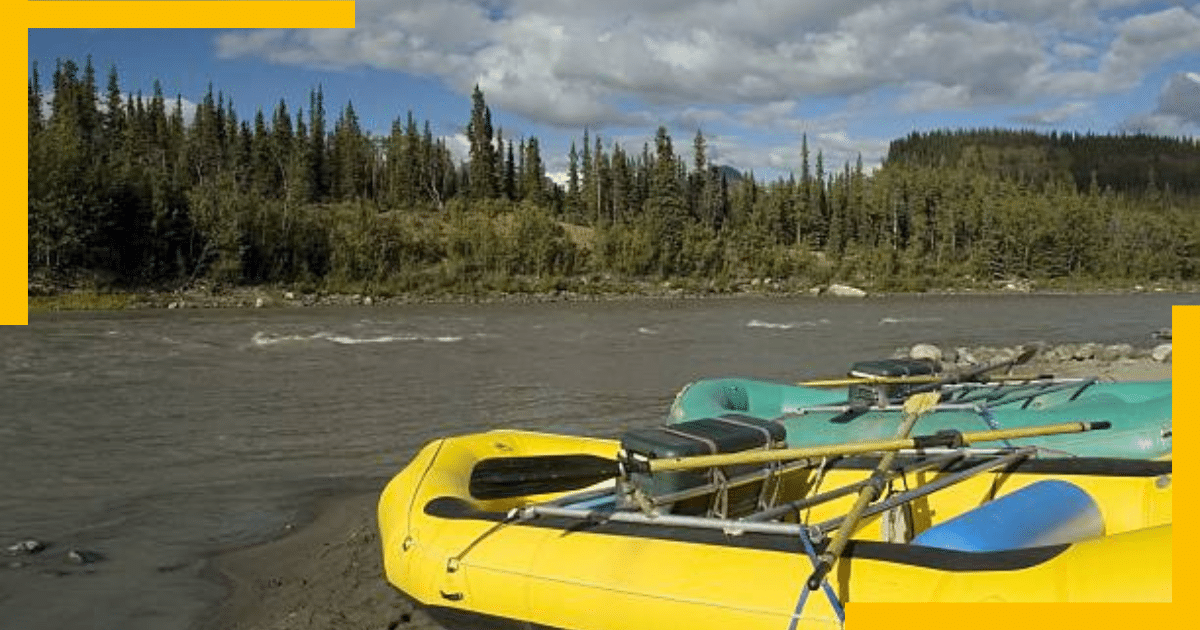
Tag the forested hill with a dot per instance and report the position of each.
(1131, 164)
(128, 190)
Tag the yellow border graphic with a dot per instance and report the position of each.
(14, 266)
(340, 14)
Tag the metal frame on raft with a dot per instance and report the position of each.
(963, 396)
(625, 502)
(605, 505)
(1000, 391)
(763, 521)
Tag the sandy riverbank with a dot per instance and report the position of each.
(327, 573)
(323, 575)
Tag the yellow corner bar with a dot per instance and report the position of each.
(191, 14)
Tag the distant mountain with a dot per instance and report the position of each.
(732, 175)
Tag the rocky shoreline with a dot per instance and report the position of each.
(201, 294)
(1073, 358)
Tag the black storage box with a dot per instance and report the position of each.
(870, 394)
(730, 433)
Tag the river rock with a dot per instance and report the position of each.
(986, 354)
(25, 547)
(1162, 353)
(928, 352)
(841, 290)
(1086, 351)
(1115, 352)
(258, 303)
(83, 556)
(1062, 352)
(963, 356)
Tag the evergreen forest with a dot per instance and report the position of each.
(129, 190)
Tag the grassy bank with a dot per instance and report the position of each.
(81, 301)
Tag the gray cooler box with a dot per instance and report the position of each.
(730, 433)
(867, 395)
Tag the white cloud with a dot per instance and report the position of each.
(928, 96)
(769, 114)
(1056, 115)
(562, 178)
(628, 62)
(1146, 40)
(1181, 97)
(1157, 124)
(1073, 51)
(186, 107)
(1178, 110)
(836, 147)
(459, 146)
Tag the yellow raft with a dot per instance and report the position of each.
(590, 560)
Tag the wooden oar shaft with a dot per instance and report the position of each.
(914, 408)
(917, 380)
(855, 448)
(762, 457)
(1024, 432)
(871, 380)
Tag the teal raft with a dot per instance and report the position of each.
(1140, 412)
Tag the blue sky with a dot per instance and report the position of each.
(753, 75)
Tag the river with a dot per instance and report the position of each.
(157, 438)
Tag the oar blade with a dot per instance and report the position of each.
(508, 477)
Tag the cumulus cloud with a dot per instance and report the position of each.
(1055, 115)
(836, 147)
(1145, 40)
(626, 62)
(1178, 110)
(769, 114)
(1181, 97)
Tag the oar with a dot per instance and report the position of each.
(914, 407)
(932, 382)
(973, 374)
(506, 477)
(917, 380)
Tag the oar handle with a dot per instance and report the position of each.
(818, 574)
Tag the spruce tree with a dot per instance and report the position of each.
(482, 152)
(573, 199)
(318, 161)
(534, 175)
(666, 204)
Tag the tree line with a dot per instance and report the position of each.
(126, 187)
